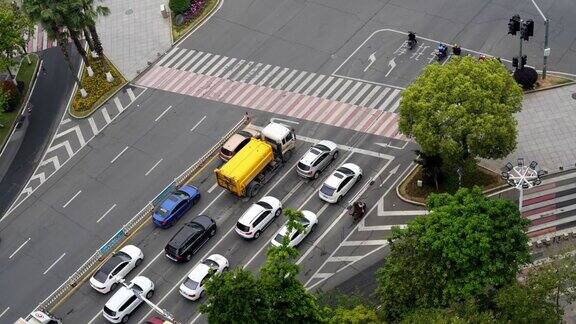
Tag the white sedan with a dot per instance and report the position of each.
(119, 265)
(340, 182)
(308, 220)
(193, 287)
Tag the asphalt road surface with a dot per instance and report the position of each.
(314, 58)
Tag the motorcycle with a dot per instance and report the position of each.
(358, 210)
(441, 52)
(412, 40)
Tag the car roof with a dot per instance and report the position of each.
(184, 233)
(171, 201)
(199, 272)
(119, 297)
(233, 141)
(306, 214)
(250, 214)
(112, 263)
(333, 180)
(309, 157)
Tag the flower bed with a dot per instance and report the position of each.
(198, 11)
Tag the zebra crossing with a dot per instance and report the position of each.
(363, 241)
(342, 102)
(39, 40)
(72, 135)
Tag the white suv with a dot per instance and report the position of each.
(258, 217)
(124, 301)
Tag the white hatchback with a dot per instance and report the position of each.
(340, 182)
(119, 265)
(256, 218)
(124, 301)
(193, 287)
(309, 221)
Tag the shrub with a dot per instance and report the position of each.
(4, 102)
(11, 93)
(179, 6)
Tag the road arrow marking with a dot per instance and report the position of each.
(392, 65)
(371, 60)
(391, 173)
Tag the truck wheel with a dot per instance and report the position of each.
(287, 156)
(253, 189)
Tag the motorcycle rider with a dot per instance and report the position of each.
(456, 50)
(412, 39)
(358, 210)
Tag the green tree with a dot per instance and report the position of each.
(179, 6)
(466, 313)
(467, 246)
(357, 315)
(462, 110)
(91, 14)
(15, 28)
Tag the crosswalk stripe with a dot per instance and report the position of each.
(208, 64)
(283, 82)
(210, 93)
(184, 59)
(243, 70)
(260, 99)
(250, 74)
(382, 129)
(199, 63)
(278, 103)
(260, 73)
(390, 98)
(268, 104)
(161, 83)
(360, 93)
(180, 87)
(106, 115)
(156, 76)
(333, 112)
(203, 86)
(152, 73)
(268, 76)
(379, 98)
(305, 82)
(226, 92)
(366, 122)
(311, 87)
(295, 81)
(175, 57)
(332, 88)
(395, 105)
(369, 96)
(393, 129)
(326, 83)
(197, 56)
(233, 69)
(167, 55)
(118, 105)
(93, 125)
(175, 80)
(277, 77)
(131, 94)
(379, 121)
(219, 90)
(225, 67)
(341, 89)
(235, 93)
(222, 60)
(359, 114)
(351, 92)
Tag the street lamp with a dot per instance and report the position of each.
(522, 176)
(143, 298)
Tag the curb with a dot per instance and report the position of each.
(551, 87)
(25, 103)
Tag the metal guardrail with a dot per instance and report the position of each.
(118, 237)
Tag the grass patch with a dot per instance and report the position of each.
(481, 177)
(26, 75)
(550, 81)
(179, 31)
(99, 90)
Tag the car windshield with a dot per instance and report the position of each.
(322, 147)
(244, 133)
(338, 175)
(303, 166)
(345, 170)
(327, 190)
(279, 238)
(137, 288)
(304, 221)
(211, 263)
(265, 205)
(191, 284)
(180, 194)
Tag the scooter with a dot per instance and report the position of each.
(442, 52)
(358, 210)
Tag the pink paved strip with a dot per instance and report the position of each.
(250, 89)
(359, 115)
(156, 74)
(211, 93)
(345, 119)
(144, 79)
(542, 231)
(544, 209)
(189, 78)
(316, 113)
(256, 93)
(393, 129)
(381, 119)
(540, 188)
(263, 95)
(308, 108)
(259, 100)
(367, 123)
(206, 86)
(161, 78)
(292, 105)
(544, 220)
(245, 87)
(229, 91)
(195, 85)
(175, 80)
(278, 102)
(303, 106)
(382, 127)
(535, 200)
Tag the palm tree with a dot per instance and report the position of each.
(51, 15)
(91, 13)
(75, 22)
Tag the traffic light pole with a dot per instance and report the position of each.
(520, 65)
(546, 49)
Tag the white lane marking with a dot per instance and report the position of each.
(18, 249)
(53, 264)
(365, 228)
(153, 167)
(131, 94)
(403, 213)
(65, 121)
(106, 115)
(268, 76)
(106, 213)
(213, 187)
(347, 258)
(5, 311)
(117, 156)
(70, 130)
(198, 123)
(162, 114)
(118, 105)
(314, 84)
(364, 243)
(291, 192)
(323, 275)
(167, 55)
(93, 125)
(69, 201)
(349, 148)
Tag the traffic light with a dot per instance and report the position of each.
(514, 25)
(515, 62)
(523, 61)
(528, 29)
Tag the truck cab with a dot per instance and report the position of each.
(281, 138)
(38, 317)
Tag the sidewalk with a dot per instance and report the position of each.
(134, 33)
(546, 130)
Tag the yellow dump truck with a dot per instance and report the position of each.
(257, 162)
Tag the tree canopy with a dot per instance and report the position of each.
(14, 28)
(467, 246)
(462, 110)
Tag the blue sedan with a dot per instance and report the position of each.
(175, 205)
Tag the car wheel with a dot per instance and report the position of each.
(313, 227)
(278, 212)
(359, 177)
(125, 318)
(338, 199)
(195, 200)
(188, 256)
(201, 294)
(150, 294)
(225, 269)
(138, 262)
(335, 155)
(257, 234)
(213, 231)
(113, 287)
(316, 174)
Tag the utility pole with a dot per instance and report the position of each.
(546, 48)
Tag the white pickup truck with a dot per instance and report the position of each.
(38, 317)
